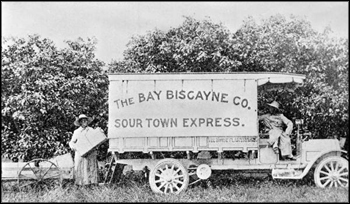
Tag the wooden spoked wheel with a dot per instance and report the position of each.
(39, 174)
(168, 176)
(332, 172)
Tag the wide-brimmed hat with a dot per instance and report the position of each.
(274, 104)
(82, 116)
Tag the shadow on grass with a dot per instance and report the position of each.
(227, 178)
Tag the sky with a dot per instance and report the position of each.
(114, 23)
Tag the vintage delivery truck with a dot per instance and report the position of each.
(208, 119)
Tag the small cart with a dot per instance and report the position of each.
(38, 172)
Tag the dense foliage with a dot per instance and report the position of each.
(43, 89)
(276, 44)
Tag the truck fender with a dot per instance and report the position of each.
(321, 156)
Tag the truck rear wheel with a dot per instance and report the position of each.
(168, 176)
(332, 171)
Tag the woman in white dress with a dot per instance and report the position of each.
(85, 168)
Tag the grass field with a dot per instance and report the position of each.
(221, 187)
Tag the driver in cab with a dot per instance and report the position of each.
(278, 138)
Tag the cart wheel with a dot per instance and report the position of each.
(332, 172)
(168, 176)
(39, 173)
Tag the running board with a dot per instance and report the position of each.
(286, 174)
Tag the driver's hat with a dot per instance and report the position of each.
(274, 104)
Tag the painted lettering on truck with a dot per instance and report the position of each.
(173, 122)
(166, 107)
(183, 95)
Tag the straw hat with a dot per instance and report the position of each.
(82, 116)
(274, 104)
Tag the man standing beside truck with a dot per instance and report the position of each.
(85, 167)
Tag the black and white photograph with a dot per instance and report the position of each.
(175, 101)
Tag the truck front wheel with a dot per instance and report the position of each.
(332, 171)
(168, 176)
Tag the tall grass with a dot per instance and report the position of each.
(221, 187)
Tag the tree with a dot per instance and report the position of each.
(194, 46)
(43, 89)
(292, 46)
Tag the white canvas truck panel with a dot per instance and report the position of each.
(171, 108)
